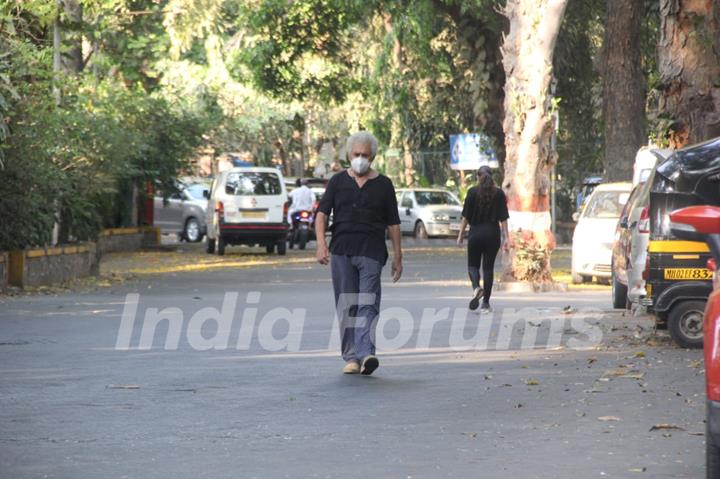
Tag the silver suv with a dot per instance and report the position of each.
(183, 213)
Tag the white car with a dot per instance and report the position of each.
(594, 234)
(426, 212)
(247, 205)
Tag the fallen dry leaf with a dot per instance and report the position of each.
(609, 418)
(663, 426)
(532, 382)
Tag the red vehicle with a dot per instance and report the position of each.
(698, 223)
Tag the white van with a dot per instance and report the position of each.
(247, 205)
(594, 234)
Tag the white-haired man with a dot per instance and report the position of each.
(364, 206)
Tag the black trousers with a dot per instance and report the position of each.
(483, 246)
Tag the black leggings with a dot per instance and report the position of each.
(483, 247)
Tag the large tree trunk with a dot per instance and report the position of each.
(623, 88)
(73, 55)
(527, 59)
(689, 65)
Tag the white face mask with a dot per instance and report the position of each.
(360, 165)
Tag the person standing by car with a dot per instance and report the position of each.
(363, 205)
(302, 199)
(485, 210)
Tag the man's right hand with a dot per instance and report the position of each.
(321, 253)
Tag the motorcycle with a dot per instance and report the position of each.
(302, 224)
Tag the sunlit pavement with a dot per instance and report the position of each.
(72, 406)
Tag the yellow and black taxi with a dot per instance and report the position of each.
(678, 282)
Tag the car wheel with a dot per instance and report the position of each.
(302, 239)
(685, 323)
(420, 230)
(576, 278)
(220, 246)
(192, 230)
(281, 248)
(210, 246)
(712, 454)
(270, 248)
(619, 293)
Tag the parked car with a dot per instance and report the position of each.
(247, 205)
(633, 234)
(677, 280)
(593, 237)
(629, 232)
(695, 223)
(586, 188)
(183, 212)
(646, 159)
(429, 212)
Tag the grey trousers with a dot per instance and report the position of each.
(356, 282)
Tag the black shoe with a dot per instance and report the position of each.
(475, 301)
(369, 364)
(485, 308)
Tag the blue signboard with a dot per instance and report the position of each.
(470, 151)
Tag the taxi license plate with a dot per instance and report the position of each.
(688, 273)
(455, 226)
(253, 214)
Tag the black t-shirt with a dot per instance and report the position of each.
(360, 215)
(495, 212)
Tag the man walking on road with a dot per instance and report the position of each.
(363, 205)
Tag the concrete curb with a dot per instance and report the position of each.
(50, 265)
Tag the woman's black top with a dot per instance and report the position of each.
(493, 213)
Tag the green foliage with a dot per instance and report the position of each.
(580, 139)
(72, 163)
(299, 50)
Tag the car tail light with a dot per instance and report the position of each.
(220, 209)
(644, 221)
(646, 271)
(286, 208)
(712, 264)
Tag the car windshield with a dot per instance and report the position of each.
(196, 190)
(425, 198)
(253, 183)
(606, 204)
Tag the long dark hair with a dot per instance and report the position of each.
(486, 187)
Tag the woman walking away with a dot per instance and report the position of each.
(485, 210)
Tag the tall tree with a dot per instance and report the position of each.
(689, 66)
(623, 86)
(529, 126)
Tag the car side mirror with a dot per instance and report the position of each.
(408, 211)
(206, 194)
(624, 223)
(575, 217)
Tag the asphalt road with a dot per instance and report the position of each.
(74, 406)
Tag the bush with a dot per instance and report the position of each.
(75, 163)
